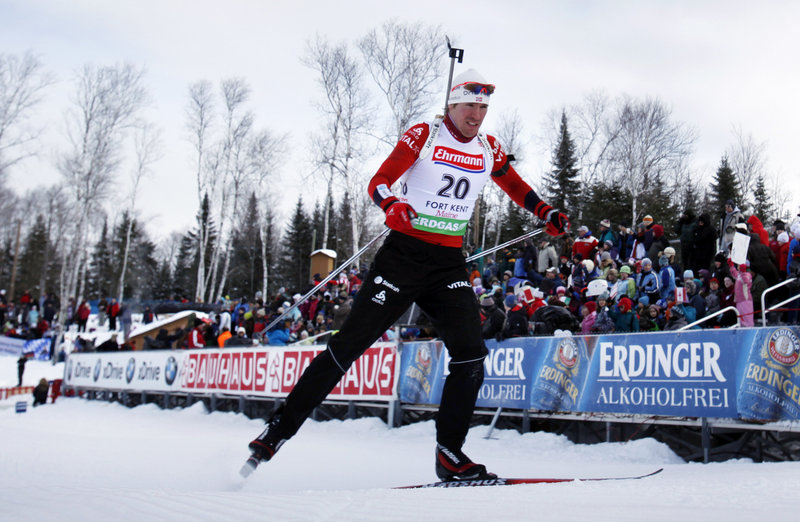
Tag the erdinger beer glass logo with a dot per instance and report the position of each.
(171, 370)
(567, 354)
(69, 370)
(96, 374)
(783, 347)
(423, 357)
(130, 370)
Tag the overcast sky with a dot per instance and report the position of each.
(716, 64)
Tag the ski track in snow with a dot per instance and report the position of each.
(92, 460)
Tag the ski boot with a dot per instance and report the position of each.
(452, 464)
(262, 448)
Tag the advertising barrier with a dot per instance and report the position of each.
(263, 371)
(751, 373)
(746, 373)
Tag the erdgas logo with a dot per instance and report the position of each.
(380, 297)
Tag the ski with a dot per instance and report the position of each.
(500, 481)
(249, 466)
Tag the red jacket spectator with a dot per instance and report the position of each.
(196, 338)
(585, 245)
(756, 227)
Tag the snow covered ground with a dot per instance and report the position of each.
(91, 460)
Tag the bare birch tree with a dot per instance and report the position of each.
(200, 117)
(405, 60)
(339, 148)
(147, 146)
(510, 131)
(106, 104)
(232, 159)
(648, 148)
(22, 84)
(748, 162)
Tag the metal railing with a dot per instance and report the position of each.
(764, 309)
(718, 312)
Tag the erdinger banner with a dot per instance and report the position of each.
(267, 371)
(507, 373)
(752, 373)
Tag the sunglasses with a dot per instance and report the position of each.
(477, 88)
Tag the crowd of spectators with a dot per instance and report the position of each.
(620, 279)
(635, 280)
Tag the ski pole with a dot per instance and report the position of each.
(507, 243)
(324, 281)
(455, 54)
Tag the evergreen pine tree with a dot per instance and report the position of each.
(101, 282)
(517, 222)
(763, 208)
(32, 259)
(724, 187)
(561, 183)
(342, 238)
(184, 277)
(295, 262)
(246, 268)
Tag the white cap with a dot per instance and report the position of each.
(458, 94)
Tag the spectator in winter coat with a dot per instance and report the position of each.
(517, 318)
(113, 313)
(588, 311)
(685, 229)
(639, 249)
(196, 338)
(223, 336)
(603, 323)
(667, 279)
(624, 244)
(649, 282)
(756, 227)
(624, 318)
(40, 392)
(675, 318)
(240, 339)
(762, 260)
(626, 285)
(658, 244)
(732, 216)
(493, 319)
(696, 301)
(712, 297)
(704, 244)
(606, 234)
(586, 244)
(548, 257)
(783, 253)
(82, 315)
(743, 281)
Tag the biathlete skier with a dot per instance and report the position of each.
(421, 261)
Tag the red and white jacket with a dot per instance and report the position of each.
(442, 187)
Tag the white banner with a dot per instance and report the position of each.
(741, 243)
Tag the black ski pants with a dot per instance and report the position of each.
(405, 270)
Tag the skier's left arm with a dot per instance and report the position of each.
(522, 194)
